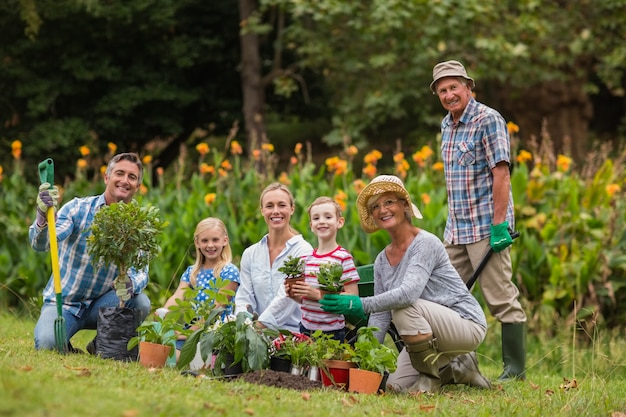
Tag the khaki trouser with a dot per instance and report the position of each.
(500, 293)
(454, 334)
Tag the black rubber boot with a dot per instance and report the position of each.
(424, 358)
(513, 351)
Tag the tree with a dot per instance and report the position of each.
(535, 60)
(94, 72)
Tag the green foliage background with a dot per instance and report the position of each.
(569, 262)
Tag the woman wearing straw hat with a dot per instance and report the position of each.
(417, 288)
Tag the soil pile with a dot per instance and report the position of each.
(281, 380)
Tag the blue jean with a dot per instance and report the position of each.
(337, 334)
(87, 317)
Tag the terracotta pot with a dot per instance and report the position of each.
(364, 382)
(153, 355)
(291, 281)
(336, 373)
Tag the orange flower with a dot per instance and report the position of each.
(81, 163)
(202, 148)
(370, 170)
(16, 149)
(372, 157)
(341, 167)
(284, 178)
(512, 128)
(293, 160)
(398, 157)
(147, 159)
(438, 166)
(402, 168)
(298, 148)
(256, 154)
(420, 157)
(524, 156)
(268, 147)
(425, 199)
(143, 190)
(209, 198)
(352, 150)
(358, 185)
(337, 165)
(112, 147)
(235, 148)
(103, 170)
(84, 150)
(159, 171)
(563, 163)
(340, 198)
(611, 189)
(222, 172)
(226, 165)
(1, 171)
(207, 169)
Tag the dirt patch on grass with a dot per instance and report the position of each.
(281, 380)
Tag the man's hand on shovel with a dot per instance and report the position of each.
(48, 197)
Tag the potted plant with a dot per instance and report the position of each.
(125, 235)
(299, 347)
(329, 278)
(280, 359)
(156, 340)
(333, 359)
(293, 268)
(373, 360)
(237, 344)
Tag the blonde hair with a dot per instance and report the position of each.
(225, 257)
(282, 187)
(326, 200)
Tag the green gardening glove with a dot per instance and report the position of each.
(348, 305)
(500, 237)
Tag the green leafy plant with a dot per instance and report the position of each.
(293, 267)
(125, 235)
(237, 338)
(158, 330)
(330, 276)
(326, 348)
(299, 348)
(371, 355)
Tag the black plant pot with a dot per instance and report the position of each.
(280, 364)
(116, 326)
(230, 368)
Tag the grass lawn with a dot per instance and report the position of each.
(36, 383)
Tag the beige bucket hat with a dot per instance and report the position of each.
(380, 185)
(449, 69)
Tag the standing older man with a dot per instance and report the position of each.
(475, 149)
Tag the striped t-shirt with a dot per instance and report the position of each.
(313, 317)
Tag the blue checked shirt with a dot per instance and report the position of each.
(470, 150)
(81, 283)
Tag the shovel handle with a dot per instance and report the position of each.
(483, 263)
(46, 174)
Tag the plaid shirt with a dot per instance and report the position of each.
(80, 282)
(470, 150)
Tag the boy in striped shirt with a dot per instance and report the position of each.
(325, 220)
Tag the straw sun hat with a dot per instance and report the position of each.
(380, 185)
